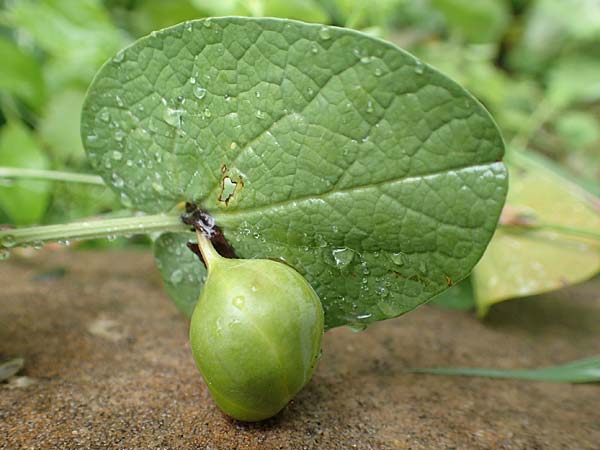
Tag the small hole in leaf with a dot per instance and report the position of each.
(228, 187)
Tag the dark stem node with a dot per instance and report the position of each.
(204, 223)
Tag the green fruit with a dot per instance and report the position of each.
(255, 334)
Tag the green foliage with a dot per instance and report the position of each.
(373, 175)
(77, 35)
(21, 75)
(477, 21)
(25, 202)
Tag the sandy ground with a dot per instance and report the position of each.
(108, 365)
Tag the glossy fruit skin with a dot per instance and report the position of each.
(255, 335)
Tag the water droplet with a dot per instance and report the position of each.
(207, 113)
(378, 72)
(111, 237)
(176, 276)
(37, 245)
(119, 101)
(325, 33)
(369, 106)
(8, 241)
(158, 187)
(119, 136)
(342, 257)
(188, 27)
(180, 99)
(257, 93)
(259, 114)
(356, 52)
(419, 68)
(382, 291)
(172, 116)
(233, 146)
(365, 59)
(314, 49)
(357, 327)
(64, 243)
(192, 80)
(116, 155)
(388, 309)
(363, 316)
(199, 92)
(310, 92)
(4, 254)
(119, 57)
(207, 23)
(104, 115)
(398, 258)
(239, 301)
(91, 138)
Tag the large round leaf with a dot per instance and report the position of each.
(371, 173)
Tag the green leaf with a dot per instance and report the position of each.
(578, 129)
(307, 10)
(372, 174)
(24, 201)
(459, 296)
(77, 34)
(59, 126)
(480, 21)
(154, 14)
(181, 270)
(521, 262)
(580, 371)
(21, 75)
(574, 79)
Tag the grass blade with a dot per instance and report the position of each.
(580, 371)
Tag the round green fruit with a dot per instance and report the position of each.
(255, 334)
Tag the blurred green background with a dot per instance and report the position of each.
(535, 64)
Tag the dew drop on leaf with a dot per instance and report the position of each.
(158, 187)
(176, 276)
(116, 155)
(398, 258)
(324, 33)
(119, 57)
(419, 69)
(172, 116)
(4, 254)
(357, 327)
(342, 257)
(198, 91)
(8, 241)
(105, 115)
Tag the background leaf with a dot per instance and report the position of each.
(372, 174)
(181, 270)
(24, 201)
(21, 75)
(522, 262)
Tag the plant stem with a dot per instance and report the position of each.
(17, 172)
(209, 254)
(91, 229)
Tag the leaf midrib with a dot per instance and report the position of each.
(353, 189)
